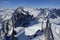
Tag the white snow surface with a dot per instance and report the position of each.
(33, 29)
(18, 29)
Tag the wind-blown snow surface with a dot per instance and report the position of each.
(28, 32)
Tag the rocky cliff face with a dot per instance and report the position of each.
(22, 17)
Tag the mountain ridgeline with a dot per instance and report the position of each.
(23, 17)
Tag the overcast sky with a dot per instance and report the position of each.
(30, 3)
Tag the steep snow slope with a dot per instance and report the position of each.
(33, 29)
(56, 31)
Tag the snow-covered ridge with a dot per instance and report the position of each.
(39, 15)
(6, 13)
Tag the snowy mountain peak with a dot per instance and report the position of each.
(25, 23)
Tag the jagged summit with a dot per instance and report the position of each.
(22, 17)
(31, 11)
